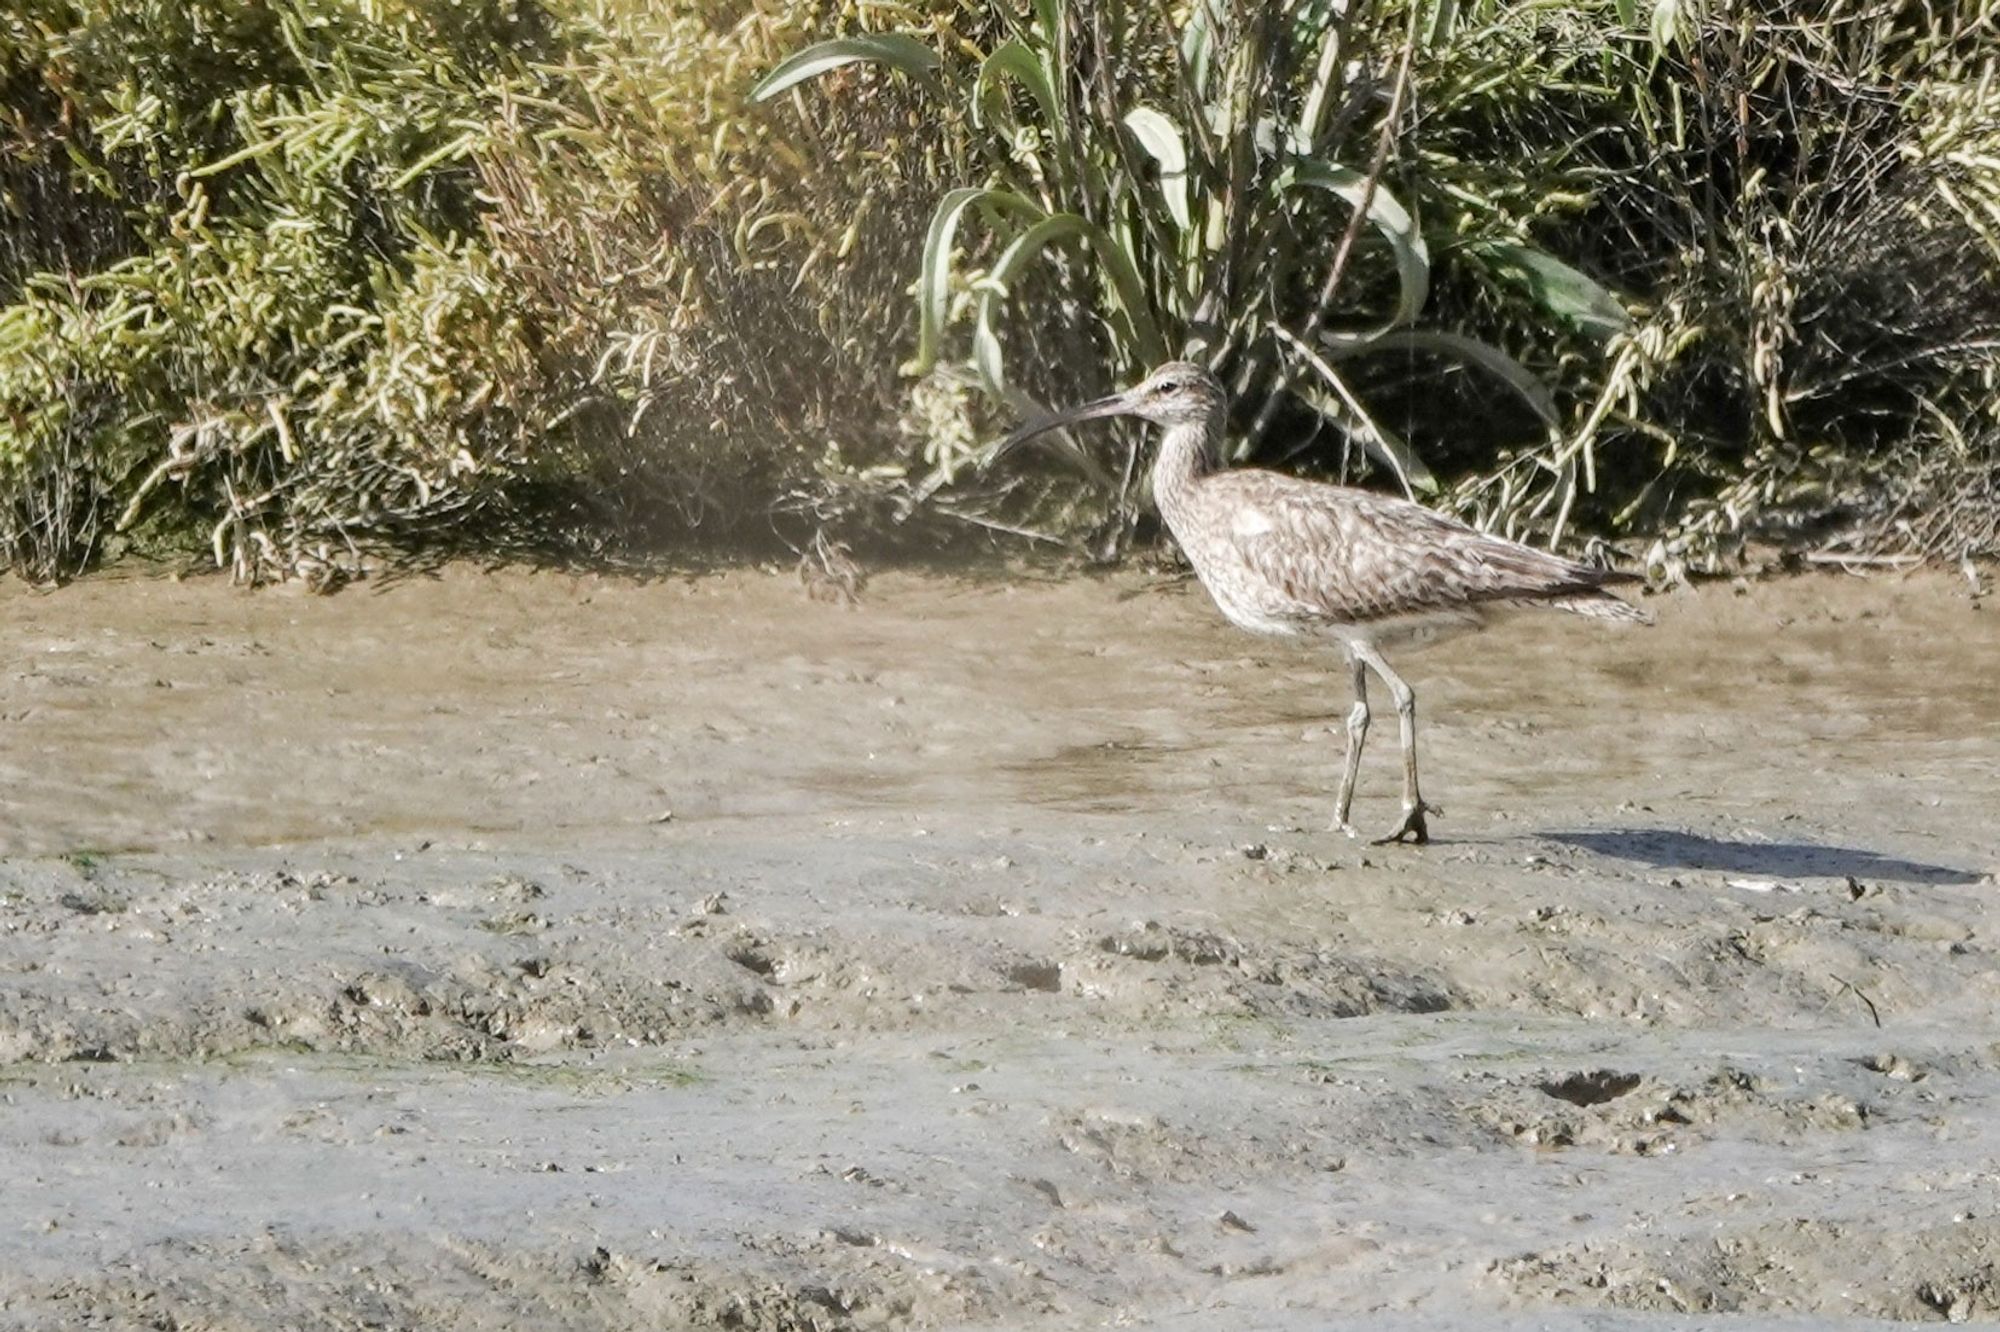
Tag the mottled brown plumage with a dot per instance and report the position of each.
(1299, 558)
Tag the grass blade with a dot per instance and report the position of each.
(896, 49)
(1473, 352)
(1127, 293)
(934, 281)
(1564, 292)
(1161, 139)
(1343, 408)
(1391, 219)
(1012, 58)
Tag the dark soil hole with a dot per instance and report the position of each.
(753, 959)
(1043, 976)
(1594, 1088)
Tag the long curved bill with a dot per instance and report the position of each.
(1117, 404)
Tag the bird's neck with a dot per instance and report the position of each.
(1184, 458)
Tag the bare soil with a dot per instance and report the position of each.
(527, 951)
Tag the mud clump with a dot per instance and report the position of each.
(1259, 977)
(1864, 1270)
(1624, 1114)
(484, 1286)
(1153, 942)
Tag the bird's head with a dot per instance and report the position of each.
(1178, 393)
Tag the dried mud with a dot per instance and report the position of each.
(510, 950)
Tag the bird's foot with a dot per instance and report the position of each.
(1412, 828)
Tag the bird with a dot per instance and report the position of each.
(1292, 558)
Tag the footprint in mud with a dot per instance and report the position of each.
(1136, 1148)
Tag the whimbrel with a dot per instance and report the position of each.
(1304, 559)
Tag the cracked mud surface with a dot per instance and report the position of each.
(509, 950)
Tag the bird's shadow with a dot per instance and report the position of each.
(1667, 848)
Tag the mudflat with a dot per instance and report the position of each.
(511, 950)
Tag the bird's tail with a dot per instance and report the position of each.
(1599, 605)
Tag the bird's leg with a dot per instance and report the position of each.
(1357, 735)
(1414, 808)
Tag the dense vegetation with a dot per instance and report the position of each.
(288, 280)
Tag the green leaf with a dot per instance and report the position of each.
(1444, 14)
(1474, 352)
(1161, 139)
(1119, 272)
(1198, 43)
(1013, 260)
(1564, 292)
(1666, 23)
(1392, 220)
(1319, 92)
(897, 49)
(934, 280)
(443, 153)
(1013, 58)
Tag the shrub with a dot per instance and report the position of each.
(1798, 206)
(468, 275)
(288, 280)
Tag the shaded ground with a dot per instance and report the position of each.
(525, 951)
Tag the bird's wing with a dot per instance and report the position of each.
(1351, 556)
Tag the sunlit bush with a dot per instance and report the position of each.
(281, 282)
(288, 278)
